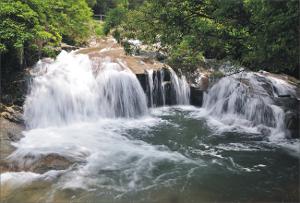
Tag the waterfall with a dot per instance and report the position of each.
(181, 88)
(247, 100)
(150, 87)
(166, 88)
(156, 88)
(74, 88)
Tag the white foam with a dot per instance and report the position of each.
(104, 146)
(14, 180)
(73, 89)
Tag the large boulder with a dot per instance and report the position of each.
(10, 132)
(40, 165)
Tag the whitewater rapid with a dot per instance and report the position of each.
(94, 113)
(81, 109)
(245, 102)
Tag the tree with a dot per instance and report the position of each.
(261, 34)
(274, 36)
(29, 27)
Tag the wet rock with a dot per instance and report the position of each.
(287, 103)
(166, 74)
(266, 84)
(35, 164)
(196, 97)
(68, 47)
(12, 113)
(204, 82)
(292, 123)
(143, 80)
(50, 162)
(291, 106)
(10, 132)
(199, 79)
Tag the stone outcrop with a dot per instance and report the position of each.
(12, 113)
(291, 107)
(10, 132)
(41, 165)
(109, 48)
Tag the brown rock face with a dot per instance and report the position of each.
(12, 113)
(37, 164)
(204, 82)
(45, 163)
(108, 47)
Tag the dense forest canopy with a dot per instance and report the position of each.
(30, 29)
(259, 34)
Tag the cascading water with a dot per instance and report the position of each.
(90, 138)
(73, 88)
(246, 100)
(150, 87)
(84, 109)
(166, 88)
(181, 88)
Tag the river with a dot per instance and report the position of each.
(232, 149)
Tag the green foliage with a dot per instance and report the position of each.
(261, 34)
(184, 55)
(75, 21)
(29, 27)
(114, 18)
(103, 6)
(91, 3)
(217, 74)
(98, 28)
(274, 41)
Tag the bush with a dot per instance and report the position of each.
(98, 28)
(183, 56)
(114, 18)
(28, 28)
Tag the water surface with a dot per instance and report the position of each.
(173, 155)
